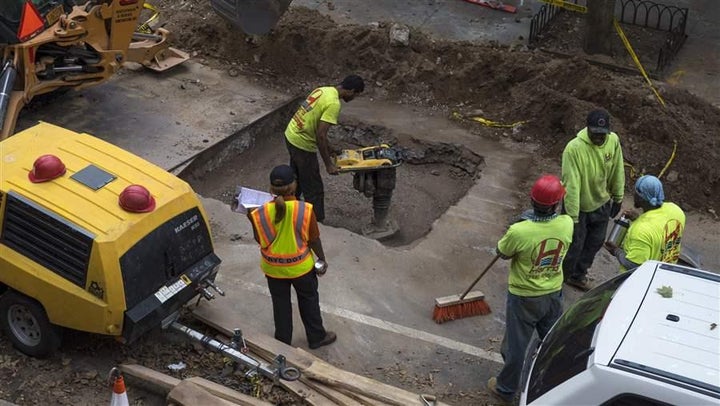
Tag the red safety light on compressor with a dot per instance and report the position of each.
(136, 199)
(46, 168)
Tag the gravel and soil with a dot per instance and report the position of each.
(503, 84)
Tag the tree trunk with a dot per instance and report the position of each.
(599, 28)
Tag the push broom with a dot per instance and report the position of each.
(466, 305)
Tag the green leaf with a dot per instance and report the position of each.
(665, 291)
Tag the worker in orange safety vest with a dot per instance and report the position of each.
(288, 234)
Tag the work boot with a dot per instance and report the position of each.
(379, 231)
(581, 284)
(504, 398)
(330, 338)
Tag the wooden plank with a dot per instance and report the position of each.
(187, 393)
(152, 379)
(215, 315)
(364, 400)
(336, 396)
(336, 377)
(226, 393)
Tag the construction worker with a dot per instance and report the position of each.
(287, 231)
(654, 234)
(593, 173)
(537, 245)
(307, 132)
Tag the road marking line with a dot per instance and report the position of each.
(395, 328)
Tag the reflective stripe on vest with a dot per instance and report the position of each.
(284, 255)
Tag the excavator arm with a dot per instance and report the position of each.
(47, 45)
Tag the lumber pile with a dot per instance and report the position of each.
(188, 392)
(320, 383)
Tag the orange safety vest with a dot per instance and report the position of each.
(283, 246)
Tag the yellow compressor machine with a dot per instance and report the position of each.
(94, 238)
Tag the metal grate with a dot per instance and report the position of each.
(46, 238)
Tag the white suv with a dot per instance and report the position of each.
(646, 337)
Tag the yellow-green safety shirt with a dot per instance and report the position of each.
(537, 249)
(656, 234)
(283, 246)
(323, 104)
(592, 174)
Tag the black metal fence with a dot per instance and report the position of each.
(642, 13)
(649, 14)
(660, 17)
(542, 19)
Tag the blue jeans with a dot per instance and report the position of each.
(524, 316)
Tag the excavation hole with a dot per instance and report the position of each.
(434, 176)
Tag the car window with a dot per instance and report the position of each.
(565, 351)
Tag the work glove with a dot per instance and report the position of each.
(615, 209)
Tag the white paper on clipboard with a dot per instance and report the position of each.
(246, 198)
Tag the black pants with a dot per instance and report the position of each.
(588, 237)
(310, 184)
(306, 288)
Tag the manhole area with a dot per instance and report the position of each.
(433, 177)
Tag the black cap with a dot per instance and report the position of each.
(282, 175)
(598, 122)
(353, 82)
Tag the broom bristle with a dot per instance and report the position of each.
(460, 310)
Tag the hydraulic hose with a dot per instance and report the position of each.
(7, 81)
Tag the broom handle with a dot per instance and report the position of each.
(487, 268)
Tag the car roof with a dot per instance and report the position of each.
(672, 336)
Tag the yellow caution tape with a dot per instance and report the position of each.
(675, 78)
(633, 171)
(145, 27)
(567, 5)
(487, 122)
(636, 60)
(672, 157)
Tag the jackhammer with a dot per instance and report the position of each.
(378, 184)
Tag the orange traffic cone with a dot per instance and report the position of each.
(119, 396)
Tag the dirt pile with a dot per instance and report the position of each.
(505, 84)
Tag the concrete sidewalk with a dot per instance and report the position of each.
(165, 118)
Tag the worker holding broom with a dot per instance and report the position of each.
(536, 245)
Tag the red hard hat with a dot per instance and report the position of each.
(547, 190)
(136, 199)
(45, 168)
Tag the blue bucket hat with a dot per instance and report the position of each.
(650, 189)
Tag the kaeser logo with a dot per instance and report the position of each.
(186, 223)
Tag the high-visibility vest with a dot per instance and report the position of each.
(283, 246)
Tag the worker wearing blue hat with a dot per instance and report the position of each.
(656, 233)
